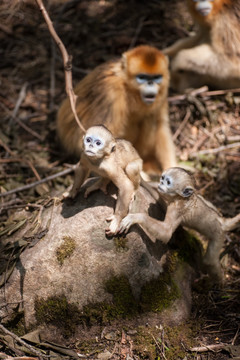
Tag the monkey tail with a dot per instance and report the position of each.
(230, 223)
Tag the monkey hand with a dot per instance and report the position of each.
(114, 225)
(127, 222)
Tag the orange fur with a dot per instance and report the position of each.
(212, 56)
(110, 95)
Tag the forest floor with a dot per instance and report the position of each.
(205, 126)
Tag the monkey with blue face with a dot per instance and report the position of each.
(113, 160)
(187, 208)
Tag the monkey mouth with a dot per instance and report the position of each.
(89, 153)
(205, 11)
(149, 99)
(160, 189)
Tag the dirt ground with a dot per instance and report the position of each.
(206, 132)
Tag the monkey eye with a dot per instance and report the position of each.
(168, 181)
(88, 139)
(158, 79)
(141, 78)
(163, 177)
(98, 143)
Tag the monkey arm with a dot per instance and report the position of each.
(185, 43)
(161, 230)
(80, 175)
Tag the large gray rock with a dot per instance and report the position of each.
(75, 260)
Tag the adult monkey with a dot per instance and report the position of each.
(212, 56)
(129, 97)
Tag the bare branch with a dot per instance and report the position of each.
(22, 342)
(29, 186)
(67, 61)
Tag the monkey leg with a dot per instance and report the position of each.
(211, 258)
(133, 171)
(100, 184)
(196, 67)
(80, 175)
(125, 195)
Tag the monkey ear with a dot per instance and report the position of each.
(110, 147)
(82, 141)
(187, 191)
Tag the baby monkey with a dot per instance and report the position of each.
(187, 208)
(114, 160)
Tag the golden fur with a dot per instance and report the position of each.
(212, 56)
(109, 95)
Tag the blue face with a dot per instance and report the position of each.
(149, 86)
(148, 79)
(93, 141)
(92, 145)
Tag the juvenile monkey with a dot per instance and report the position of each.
(129, 97)
(187, 208)
(114, 160)
(212, 56)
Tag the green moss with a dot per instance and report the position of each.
(151, 343)
(66, 249)
(155, 296)
(120, 243)
(159, 293)
(179, 338)
(172, 261)
(144, 344)
(123, 299)
(17, 324)
(57, 311)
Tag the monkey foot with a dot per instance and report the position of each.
(73, 193)
(114, 225)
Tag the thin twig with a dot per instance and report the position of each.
(67, 60)
(52, 74)
(201, 92)
(20, 358)
(29, 130)
(22, 342)
(215, 150)
(42, 181)
(235, 337)
(21, 97)
(137, 32)
(182, 125)
(213, 348)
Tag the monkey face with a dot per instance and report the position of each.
(97, 142)
(203, 7)
(93, 146)
(166, 185)
(149, 86)
(176, 181)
